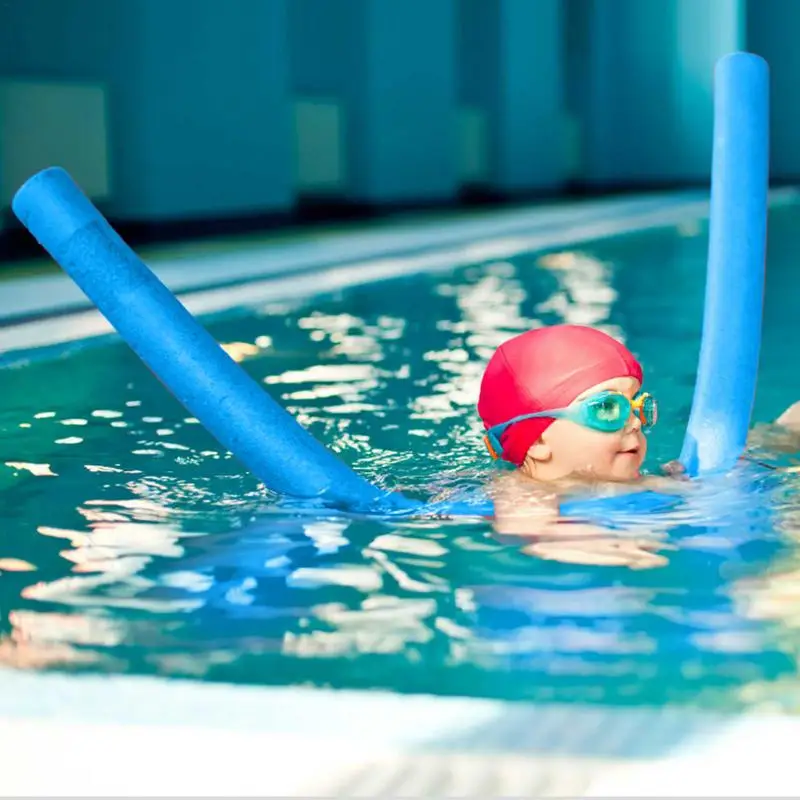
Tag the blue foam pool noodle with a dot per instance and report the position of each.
(238, 412)
(728, 366)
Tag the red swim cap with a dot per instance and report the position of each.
(544, 369)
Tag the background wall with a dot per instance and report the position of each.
(186, 112)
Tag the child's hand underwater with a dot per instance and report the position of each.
(606, 551)
(675, 470)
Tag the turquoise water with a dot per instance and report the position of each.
(131, 543)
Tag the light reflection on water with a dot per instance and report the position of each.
(133, 543)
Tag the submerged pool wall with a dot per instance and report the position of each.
(176, 114)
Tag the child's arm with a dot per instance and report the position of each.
(527, 511)
(524, 508)
(521, 508)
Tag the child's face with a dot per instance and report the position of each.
(567, 448)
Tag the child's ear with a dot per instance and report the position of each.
(540, 451)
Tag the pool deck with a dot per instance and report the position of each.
(67, 735)
(95, 735)
(46, 307)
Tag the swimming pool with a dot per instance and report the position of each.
(152, 552)
(133, 546)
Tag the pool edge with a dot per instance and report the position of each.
(115, 735)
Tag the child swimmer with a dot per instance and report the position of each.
(565, 405)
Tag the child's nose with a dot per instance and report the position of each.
(634, 422)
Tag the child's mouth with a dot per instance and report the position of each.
(631, 451)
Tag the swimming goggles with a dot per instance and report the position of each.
(607, 412)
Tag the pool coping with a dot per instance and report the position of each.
(120, 735)
(45, 310)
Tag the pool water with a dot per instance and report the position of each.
(132, 544)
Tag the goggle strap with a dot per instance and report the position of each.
(492, 452)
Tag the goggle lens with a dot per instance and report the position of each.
(646, 409)
(606, 412)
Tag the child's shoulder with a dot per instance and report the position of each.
(517, 489)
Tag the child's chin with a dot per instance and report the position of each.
(628, 467)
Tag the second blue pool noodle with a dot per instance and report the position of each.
(728, 365)
(223, 397)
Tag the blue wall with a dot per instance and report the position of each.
(395, 78)
(510, 68)
(773, 31)
(206, 107)
(198, 95)
(202, 96)
(641, 84)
